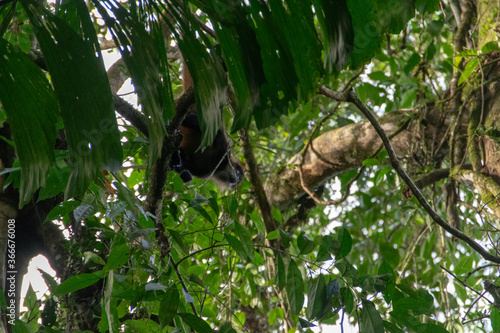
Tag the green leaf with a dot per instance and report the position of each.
(305, 244)
(411, 63)
(286, 238)
(280, 273)
(273, 235)
(347, 299)
(196, 323)
(94, 257)
(344, 243)
(77, 282)
(332, 288)
(31, 108)
(227, 328)
(468, 70)
(49, 280)
(388, 292)
(317, 298)
(152, 85)
(369, 162)
(49, 315)
(237, 246)
(168, 306)
(325, 248)
(85, 99)
(119, 254)
(31, 302)
(335, 22)
(495, 319)
(246, 240)
(389, 253)
(241, 53)
(391, 328)
(177, 237)
(276, 213)
(431, 328)
(304, 323)
(490, 47)
(295, 288)
(371, 321)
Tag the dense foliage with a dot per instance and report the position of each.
(137, 250)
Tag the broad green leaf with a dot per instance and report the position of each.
(273, 235)
(204, 63)
(94, 257)
(371, 321)
(196, 323)
(391, 328)
(468, 70)
(412, 62)
(177, 237)
(242, 57)
(317, 298)
(31, 302)
(369, 162)
(344, 243)
(490, 47)
(431, 328)
(389, 253)
(495, 319)
(286, 238)
(49, 280)
(119, 253)
(143, 50)
(168, 306)
(82, 87)
(246, 240)
(31, 109)
(364, 14)
(237, 246)
(109, 308)
(49, 313)
(332, 288)
(276, 213)
(325, 248)
(227, 328)
(280, 273)
(271, 317)
(347, 299)
(388, 292)
(405, 319)
(335, 22)
(305, 244)
(304, 323)
(295, 287)
(394, 14)
(77, 282)
(22, 327)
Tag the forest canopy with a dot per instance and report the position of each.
(368, 132)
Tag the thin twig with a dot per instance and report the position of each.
(465, 284)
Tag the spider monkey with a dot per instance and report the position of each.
(214, 161)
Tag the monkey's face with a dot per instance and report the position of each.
(228, 177)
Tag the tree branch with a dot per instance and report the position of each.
(159, 170)
(352, 98)
(260, 194)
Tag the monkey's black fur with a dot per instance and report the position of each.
(214, 161)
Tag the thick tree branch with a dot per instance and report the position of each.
(334, 152)
(159, 170)
(132, 115)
